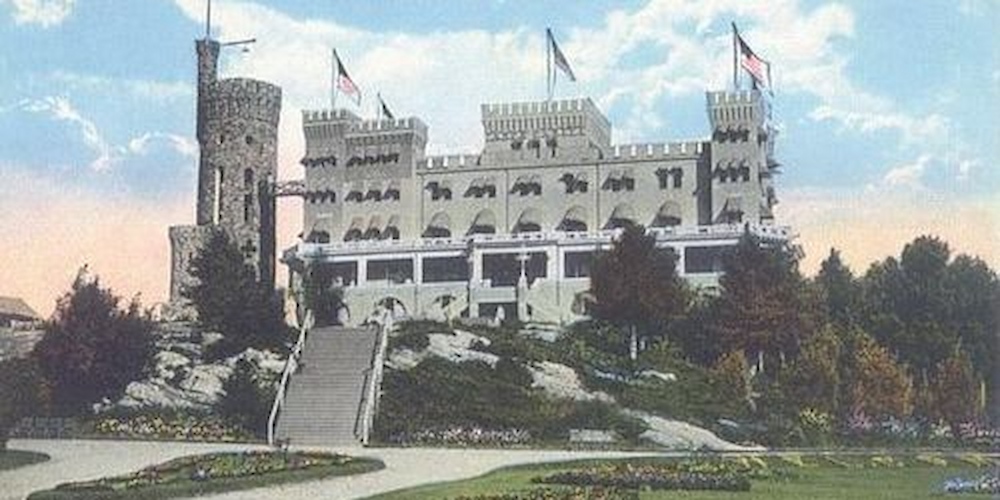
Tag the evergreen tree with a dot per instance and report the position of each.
(875, 384)
(732, 376)
(840, 292)
(814, 378)
(92, 349)
(635, 285)
(233, 302)
(765, 308)
(21, 393)
(954, 391)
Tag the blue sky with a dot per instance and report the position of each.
(888, 109)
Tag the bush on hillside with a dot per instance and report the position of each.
(92, 349)
(244, 402)
(231, 300)
(20, 390)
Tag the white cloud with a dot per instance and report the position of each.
(910, 174)
(108, 155)
(44, 13)
(164, 92)
(61, 109)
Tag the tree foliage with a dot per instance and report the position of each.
(21, 393)
(923, 304)
(954, 391)
(635, 284)
(92, 349)
(244, 402)
(839, 289)
(813, 380)
(764, 306)
(233, 302)
(732, 375)
(875, 384)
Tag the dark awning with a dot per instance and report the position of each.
(529, 221)
(668, 215)
(484, 222)
(622, 214)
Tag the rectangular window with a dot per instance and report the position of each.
(703, 259)
(504, 269)
(336, 274)
(392, 270)
(577, 264)
(445, 269)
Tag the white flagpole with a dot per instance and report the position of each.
(335, 65)
(549, 77)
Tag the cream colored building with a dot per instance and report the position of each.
(515, 227)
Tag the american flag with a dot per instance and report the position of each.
(758, 68)
(344, 82)
(559, 58)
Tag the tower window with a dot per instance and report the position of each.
(249, 139)
(248, 179)
(247, 207)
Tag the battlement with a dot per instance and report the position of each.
(450, 161)
(735, 109)
(314, 116)
(244, 98)
(657, 150)
(568, 117)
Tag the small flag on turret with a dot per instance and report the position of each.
(759, 69)
(344, 82)
(385, 109)
(558, 57)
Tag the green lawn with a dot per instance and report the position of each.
(213, 473)
(12, 459)
(852, 478)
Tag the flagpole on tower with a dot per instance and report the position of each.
(208, 21)
(334, 65)
(736, 66)
(549, 77)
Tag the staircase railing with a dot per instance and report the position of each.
(291, 365)
(374, 381)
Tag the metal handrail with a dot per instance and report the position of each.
(375, 381)
(291, 364)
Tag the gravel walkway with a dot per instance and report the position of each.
(75, 460)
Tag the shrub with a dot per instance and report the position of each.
(92, 349)
(231, 300)
(20, 388)
(244, 402)
(652, 477)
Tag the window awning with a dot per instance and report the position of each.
(354, 230)
(529, 221)
(622, 212)
(441, 220)
(668, 215)
(575, 219)
(484, 222)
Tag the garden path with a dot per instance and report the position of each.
(74, 460)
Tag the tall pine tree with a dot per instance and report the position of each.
(231, 300)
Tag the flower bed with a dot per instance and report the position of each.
(173, 427)
(717, 477)
(572, 494)
(215, 472)
(986, 485)
(463, 436)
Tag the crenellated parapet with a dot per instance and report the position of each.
(729, 110)
(527, 120)
(657, 151)
(243, 98)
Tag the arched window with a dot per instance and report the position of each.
(248, 179)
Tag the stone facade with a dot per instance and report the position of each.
(511, 231)
(237, 131)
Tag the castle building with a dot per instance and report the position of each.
(237, 132)
(512, 231)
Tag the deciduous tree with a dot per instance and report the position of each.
(876, 385)
(954, 391)
(635, 285)
(92, 349)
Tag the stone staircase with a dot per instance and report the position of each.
(323, 403)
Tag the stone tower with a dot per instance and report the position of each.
(237, 132)
(743, 162)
